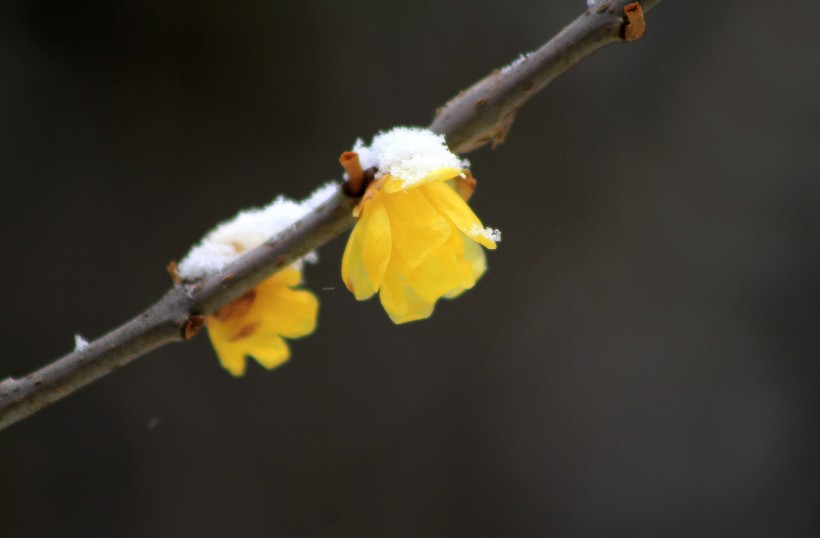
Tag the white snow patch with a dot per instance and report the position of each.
(515, 63)
(492, 234)
(247, 230)
(407, 153)
(80, 343)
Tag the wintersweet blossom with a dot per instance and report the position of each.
(416, 239)
(257, 323)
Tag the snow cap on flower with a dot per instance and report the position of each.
(409, 153)
(247, 230)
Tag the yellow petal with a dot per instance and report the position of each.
(279, 308)
(232, 347)
(270, 352)
(289, 276)
(454, 244)
(449, 203)
(474, 254)
(255, 324)
(230, 354)
(435, 277)
(471, 266)
(390, 183)
(290, 313)
(376, 240)
(442, 174)
(417, 227)
(400, 302)
(354, 274)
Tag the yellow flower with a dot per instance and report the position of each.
(256, 324)
(415, 242)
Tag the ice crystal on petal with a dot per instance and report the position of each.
(493, 234)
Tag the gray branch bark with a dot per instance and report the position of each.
(483, 113)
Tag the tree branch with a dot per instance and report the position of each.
(481, 114)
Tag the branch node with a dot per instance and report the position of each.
(634, 25)
(172, 270)
(355, 175)
(191, 326)
(465, 185)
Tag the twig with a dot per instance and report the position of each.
(484, 112)
(481, 114)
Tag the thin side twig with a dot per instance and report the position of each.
(478, 115)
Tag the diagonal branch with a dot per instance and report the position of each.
(478, 115)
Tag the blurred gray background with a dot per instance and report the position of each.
(641, 358)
